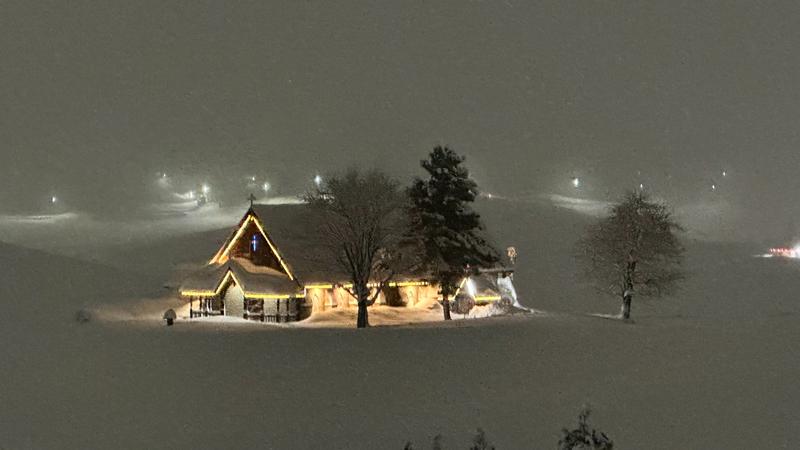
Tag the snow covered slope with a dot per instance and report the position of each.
(724, 279)
(713, 367)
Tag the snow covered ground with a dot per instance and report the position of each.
(714, 367)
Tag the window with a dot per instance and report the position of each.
(254, 243)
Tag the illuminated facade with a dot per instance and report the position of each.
(274, 266)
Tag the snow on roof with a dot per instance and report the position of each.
(295, 232)
(251, 278)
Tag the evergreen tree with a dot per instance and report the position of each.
(443, 224)
(583, 437)
(479, 442)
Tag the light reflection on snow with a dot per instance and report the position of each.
(581, 205)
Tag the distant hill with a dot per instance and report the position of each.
(40, 288)
(724, 278)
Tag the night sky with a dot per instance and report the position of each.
(99, 97)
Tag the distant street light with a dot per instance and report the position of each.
(576, 182)
(266, 187)
(206, 189)
(54, 199)
(318, 180)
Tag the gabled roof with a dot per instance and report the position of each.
(295, 237)
(223, 255)
(295, 230)
(255, 281)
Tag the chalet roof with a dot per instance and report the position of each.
(251, 278)
(294, 230)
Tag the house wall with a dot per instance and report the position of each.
(425, 296)
(319, 298)
(322, 299)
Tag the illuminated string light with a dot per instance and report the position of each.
(223, 256)
(229, 276)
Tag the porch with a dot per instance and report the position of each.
(277, 310)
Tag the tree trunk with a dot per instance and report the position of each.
(627, 296)
(626, 305)
(363, 317)
(446, 306)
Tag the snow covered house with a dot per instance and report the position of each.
(274, 267)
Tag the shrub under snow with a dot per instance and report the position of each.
(83, 316)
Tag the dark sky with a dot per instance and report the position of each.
(98, 97)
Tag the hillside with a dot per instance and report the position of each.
(712, 367)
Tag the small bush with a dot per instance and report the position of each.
(83, 316)
(479, 442)
(437, 442)
(501, 307)
(463, 304)
(582, 438)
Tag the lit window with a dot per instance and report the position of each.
(254, 242)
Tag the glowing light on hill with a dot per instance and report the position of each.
(318, 180)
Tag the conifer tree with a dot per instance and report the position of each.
(448, 231)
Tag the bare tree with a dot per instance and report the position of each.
(634, 249)
(362, 220)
